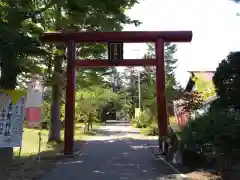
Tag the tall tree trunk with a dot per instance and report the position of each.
(54, 133)
(55, 127)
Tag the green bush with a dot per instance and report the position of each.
(220, 129)
(197, 132)
(143, 120)
(215, 135)
(151, 130)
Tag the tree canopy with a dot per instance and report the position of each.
(22, 55)
(173, 89)
(227, 80)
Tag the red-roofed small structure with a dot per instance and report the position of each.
(181, 115)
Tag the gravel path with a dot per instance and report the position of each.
(118, 153)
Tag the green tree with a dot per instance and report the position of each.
(18, 45)
(131, 80)
(23, 21)
(148, 88)
(148, 78)
(92, 100)
(227, 80)
(73, 15)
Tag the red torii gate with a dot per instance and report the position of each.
(71, 38)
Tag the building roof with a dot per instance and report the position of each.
(201, 71)
(208, 75)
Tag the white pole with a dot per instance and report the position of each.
(139, 81)
(139, 90)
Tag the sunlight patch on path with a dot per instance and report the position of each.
(119, 132)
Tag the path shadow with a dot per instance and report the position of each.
(114, 159)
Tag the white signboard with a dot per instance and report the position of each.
(11, 121)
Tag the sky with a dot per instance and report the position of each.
(215, 25)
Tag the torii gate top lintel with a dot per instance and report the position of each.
(125, 36)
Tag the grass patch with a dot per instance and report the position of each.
(30, 141)
(149, 131)
(26, 166)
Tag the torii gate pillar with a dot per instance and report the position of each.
(160, 90)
